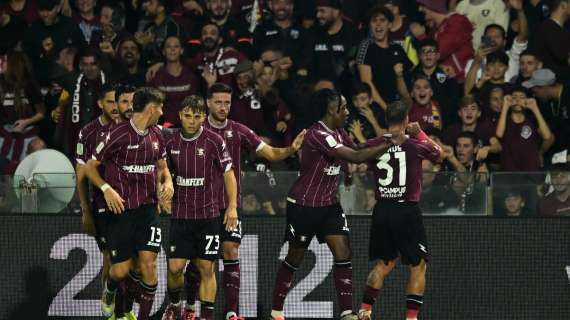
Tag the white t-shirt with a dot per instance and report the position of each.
(514, 61)
(484, 14)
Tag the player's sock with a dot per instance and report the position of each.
(120, 300)
(231, 285)
(282, 284)
(413, 305)
(206, 310)
(369, 298)
(146, 300)
(174, 295)
(191, 285)
(132, 289)
(343, 283)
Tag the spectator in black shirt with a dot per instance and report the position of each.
(332, 45)
(112, 30)
(161, 26)
(445, 89)
(280, 31)
(12, 30)
(127, 63)
(366, 118)
(377, 57)
(46, 38)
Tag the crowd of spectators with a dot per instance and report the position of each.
(487, 78)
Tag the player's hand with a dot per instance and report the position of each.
(87, 223)
(165, 207)
(413, 129)
(165, 192)
(114, 201)
(298, 142)
(231, 218)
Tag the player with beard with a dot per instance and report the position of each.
(397, 228)
(313, 208)
(214, 62)
(237, 137)
(133, 153)
(95, 224)
(202, 167)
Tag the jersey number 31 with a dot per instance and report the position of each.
(384, 164)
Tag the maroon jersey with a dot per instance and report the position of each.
(398, 172)
(224, 62)
(521, 146)
(175, 90)
(427, 116)
(130, 157)
(86, 142)
(551, 206)
(485, 130)
(198, 165)
(236, 136)
(317, 185)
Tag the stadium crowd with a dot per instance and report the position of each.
(488, 79)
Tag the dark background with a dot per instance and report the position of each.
(481, 268)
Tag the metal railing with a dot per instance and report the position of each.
(444, 193)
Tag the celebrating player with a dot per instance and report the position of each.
(95, 224)
(133, 153)
(397, 226)
(313, 208)
(201, 165)
(237, 137)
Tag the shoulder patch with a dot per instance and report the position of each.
(331, 141)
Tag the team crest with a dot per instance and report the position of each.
(229, 134)
(172, 248)
(155, 145)
(200, 152)
(526, 132)
(485, 12)
(441, 77)
(294, 33)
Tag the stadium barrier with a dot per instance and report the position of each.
(480, 268)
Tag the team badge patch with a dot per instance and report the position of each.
(441, 77)
(79, 149)
(200, 152)
(526, 132)
(229, 134)
(331, 141)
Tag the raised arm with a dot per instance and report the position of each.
(277, 154)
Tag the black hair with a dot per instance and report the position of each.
(522, 89)
(396, 112)
(117, 17)
(361, 87)
(219, 87)
(498, 56)
(194, 103)
(146, 95)
(122, 89)
(530, 52)
(380, 10)
(428, 43)
(469, 135)
(495, 26)
(89, 52)
(322, 100)
(106, 88)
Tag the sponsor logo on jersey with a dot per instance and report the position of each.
(175, 151)
(133, 146)
(189, 182)
(332, 171)
(139, 169)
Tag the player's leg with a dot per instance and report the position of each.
(208, 285)
(413, 247)
(130, 290)
(284, 277)
(340, 248)
(117, 272)
(415, 290)
(299, 233)
(175, 286)
(147, 241)
(191, 286)
(374, 284)
(383, 249)
(231, 278)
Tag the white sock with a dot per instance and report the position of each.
(345, 312)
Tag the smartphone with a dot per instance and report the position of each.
(487, 42)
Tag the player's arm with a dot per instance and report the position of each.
(362, 155)
(416, 131)
(165, 186)
(277, 154)
(83, 191)
(114, 201)
(231, 216)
